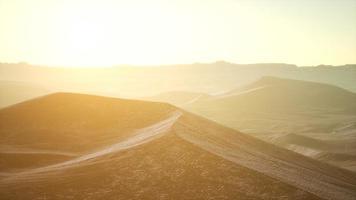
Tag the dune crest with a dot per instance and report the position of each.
(172, 149)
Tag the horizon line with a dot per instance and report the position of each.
(168, 64)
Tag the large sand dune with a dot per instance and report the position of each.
(307, 117)
(126, 149)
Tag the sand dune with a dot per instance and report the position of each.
(168, 155)
(72, 122)
(306, 117)
(285, 166)
(19, 161)
(339, 152)
(336, 145)
(271, 94)
(140, 137)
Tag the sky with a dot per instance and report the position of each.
(151, 32)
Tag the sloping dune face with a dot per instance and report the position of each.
(321, 179)
(157, 152)
(59, 126)
(280, 95)
(306, 117)
(282, 106)
(71, 121)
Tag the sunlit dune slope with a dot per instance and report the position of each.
(57, 126)
(153, 151)
(16, 158)
(71, 121)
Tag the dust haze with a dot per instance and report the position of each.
(177, 100)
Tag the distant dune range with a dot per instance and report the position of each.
(128, 149)
(307, 117)
(132, 82)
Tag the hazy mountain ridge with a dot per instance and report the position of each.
(151, 80)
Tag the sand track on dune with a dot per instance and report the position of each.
(241, 151)
(193, 100)
(235, 94)
(327, 183)
(13, 149)
(40, 152)
(140, 137)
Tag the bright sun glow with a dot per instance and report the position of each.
(145, 32)
(110, 35)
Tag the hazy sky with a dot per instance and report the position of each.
(108, 32)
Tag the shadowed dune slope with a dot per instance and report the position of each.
(276, 94)
(142, 150)
(318, 144)
(306, 117)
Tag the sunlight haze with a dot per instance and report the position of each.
(108, 32)
(177, 99)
